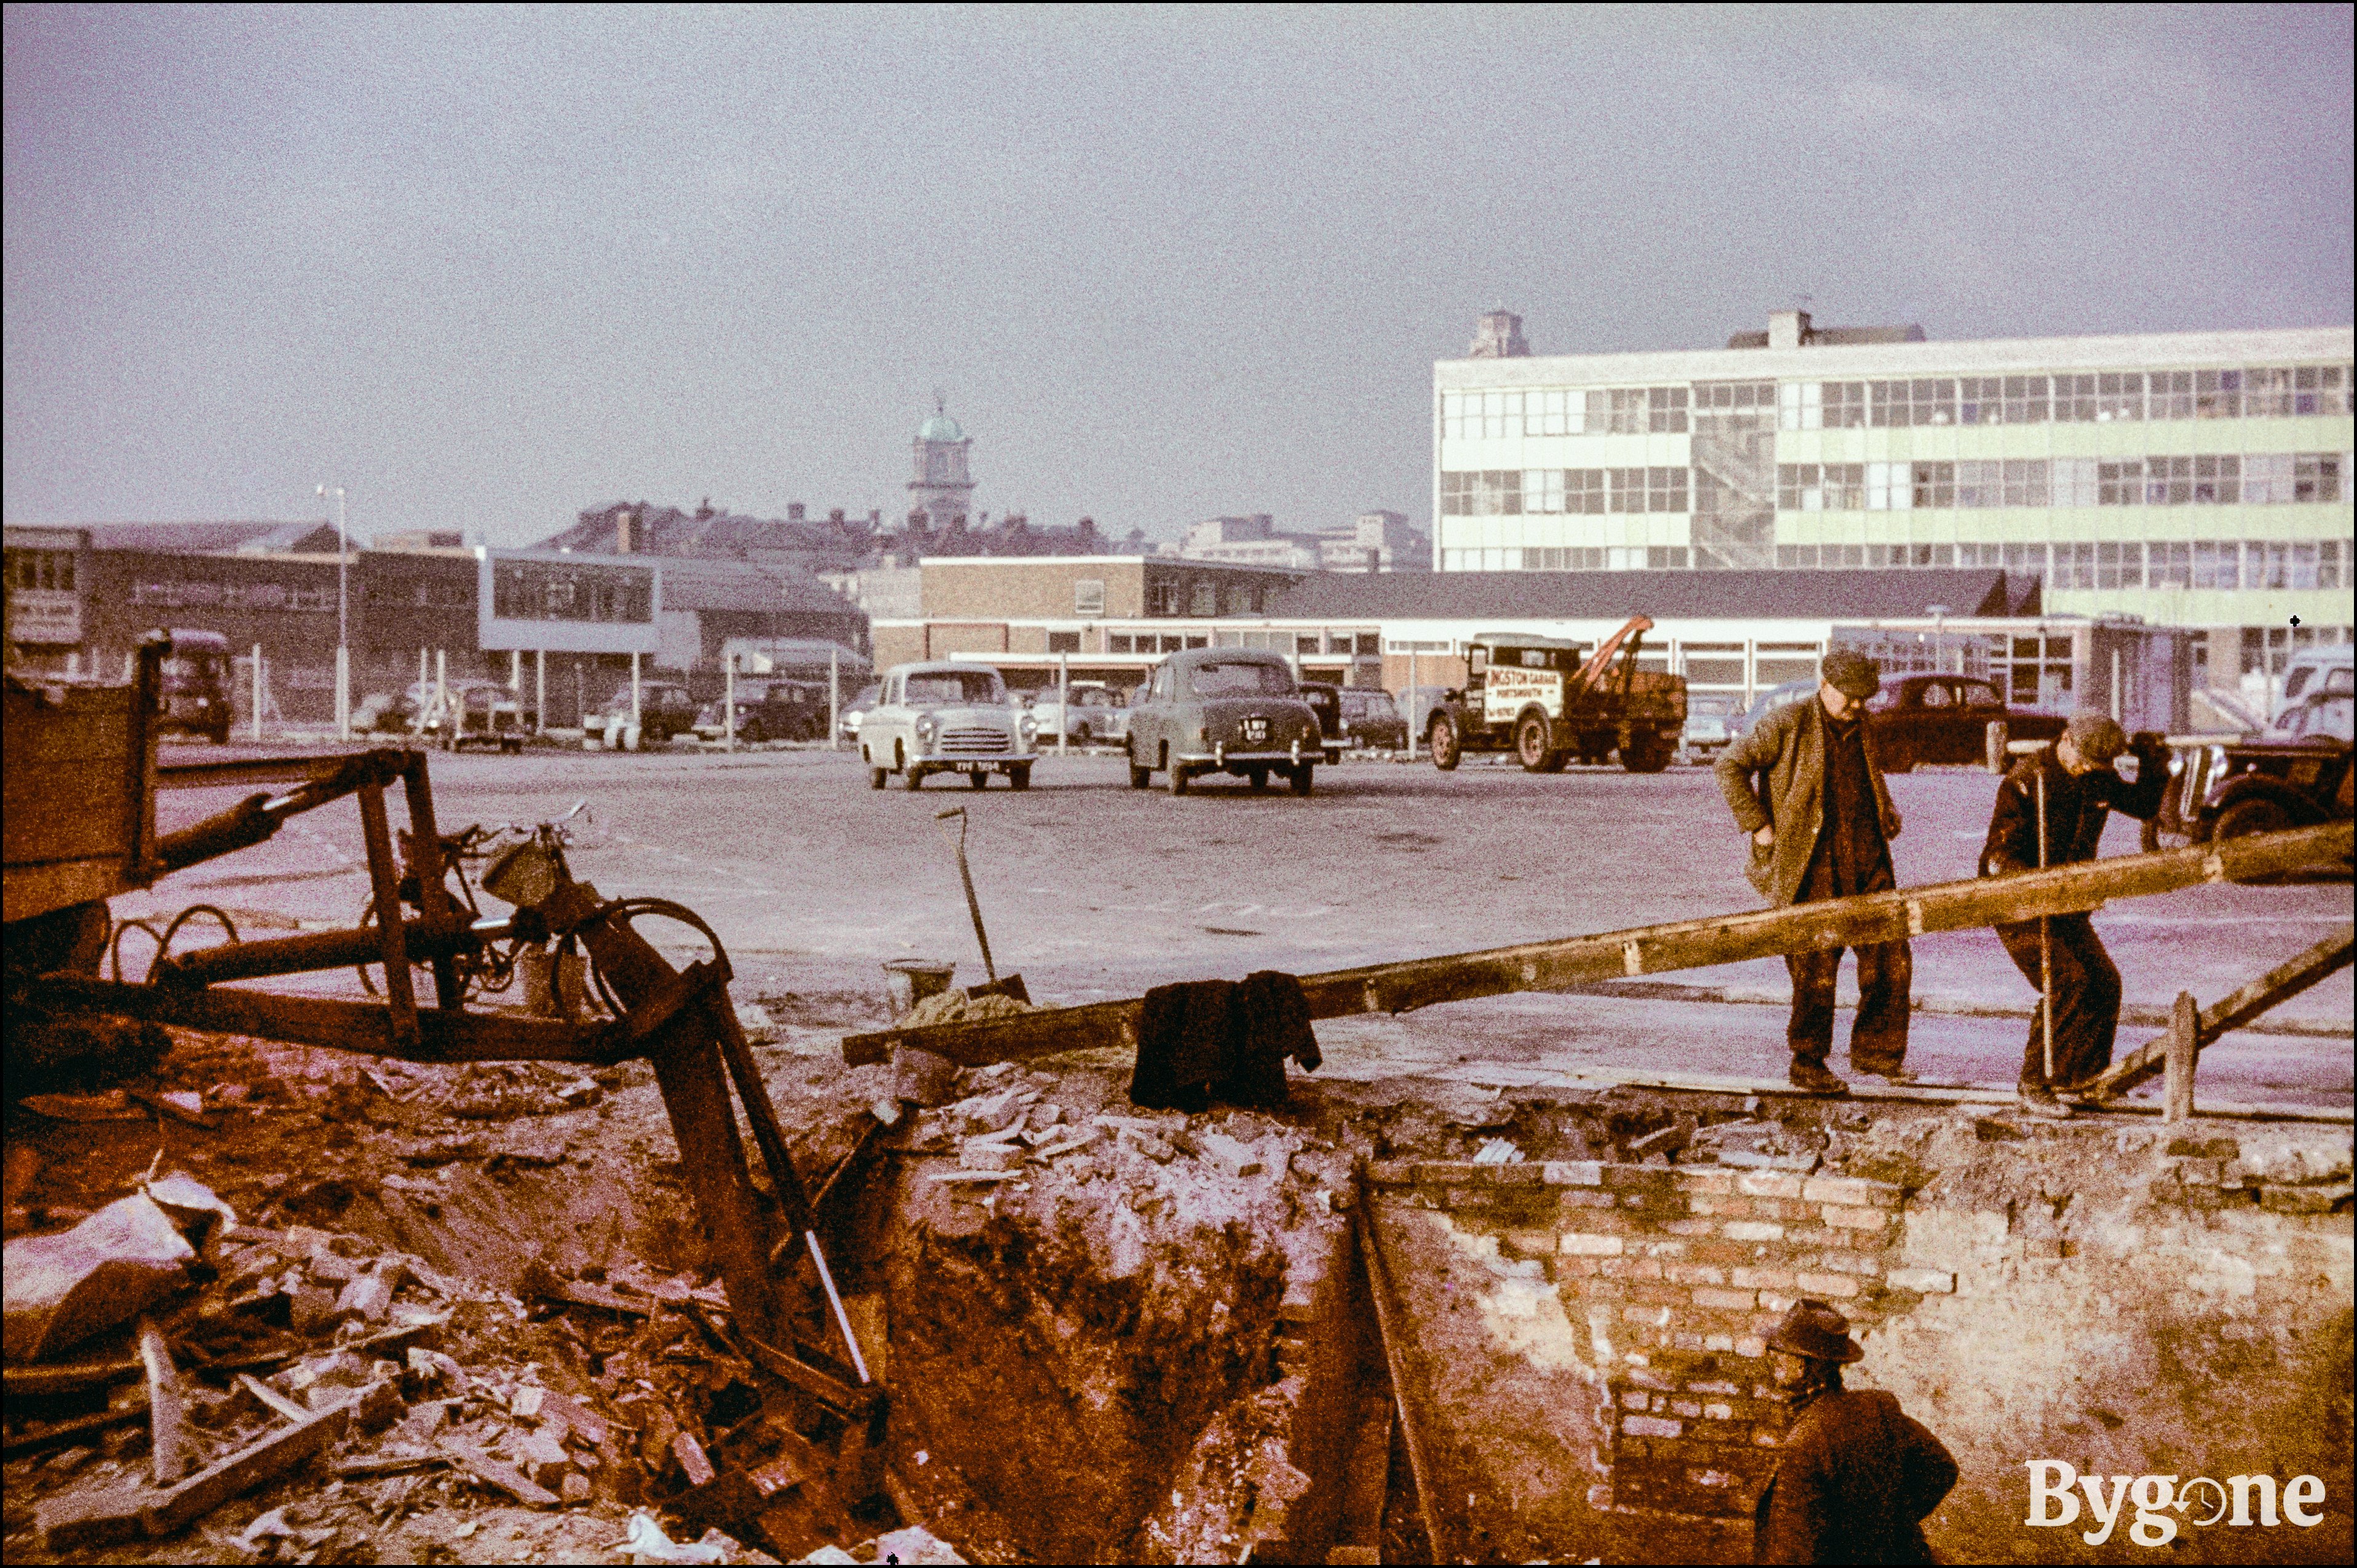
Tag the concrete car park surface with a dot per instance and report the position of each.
(1091, 890)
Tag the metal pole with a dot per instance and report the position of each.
(1414, 732)
(635, 716)
(515, 670)
(729, 703)
(442, 690)
(343, 617)
(1064, 705)
(833, 698)
(538, 690)
(2116, 707)
(257, 691)
(973, 904)
(2045, 942)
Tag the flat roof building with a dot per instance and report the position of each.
(2192, 479)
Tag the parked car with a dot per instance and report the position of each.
(946, 718)
(1548, 700)
(1370, 719)
(1223, 710)
(196, 686)
(1709, 718)
(784, 710)
(1767, 703)
(847, 720)
(2294, 774)
(1096, 714)
(472, 713)
(664, 710)
(1324, 699)
(2311, 668)
(1945, 718)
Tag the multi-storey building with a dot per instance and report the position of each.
(2193, 479)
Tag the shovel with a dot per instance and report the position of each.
(1013, 985)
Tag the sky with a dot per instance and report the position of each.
(486, 267)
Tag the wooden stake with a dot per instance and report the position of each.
(2184, 1049)
(167, 1419)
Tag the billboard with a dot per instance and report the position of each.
(563, 602)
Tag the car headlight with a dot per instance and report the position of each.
(926, 725)
(1030, 725)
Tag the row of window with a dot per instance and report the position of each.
(2090, 397)
(2257, 479)
(1329, 644)
(41, 571)
(571, 590)
(1514, 492)
(2230, 564)
(1576, 558)
(1202, 597)
(187, 595)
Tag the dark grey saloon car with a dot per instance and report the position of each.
(1223, 710)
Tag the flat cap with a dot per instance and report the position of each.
(2097, 737)
(1852, 674)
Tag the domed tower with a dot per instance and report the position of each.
(942, 489)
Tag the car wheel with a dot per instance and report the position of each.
(1645, 757)
(1534, 744)
(1447, 751)
(1256, 776)
(1139, 778)
(1019, 776)
(912, 777)
(2153, 838)
(1176, 779)
(2244, 818)
(1302, 777)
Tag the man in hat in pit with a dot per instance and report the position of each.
(1805, 783)
(1854, 1478)
(2079, 788)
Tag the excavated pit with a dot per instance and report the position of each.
(1157, 1347)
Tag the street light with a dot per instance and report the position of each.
(343, 620)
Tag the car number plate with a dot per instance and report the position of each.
(973, 768)
(1255, 728)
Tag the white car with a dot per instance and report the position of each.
(1096, 714)
(946, 718)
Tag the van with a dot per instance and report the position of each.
(196, 685)
(2307, 672)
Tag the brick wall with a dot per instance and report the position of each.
(2115, 1297)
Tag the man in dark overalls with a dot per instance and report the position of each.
(2080, 787)
(1805, 784)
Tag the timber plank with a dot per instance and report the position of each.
(2278, 985)
(1573, 961)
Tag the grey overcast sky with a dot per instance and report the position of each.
(489, 266)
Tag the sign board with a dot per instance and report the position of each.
(564, 602)
(44, 617)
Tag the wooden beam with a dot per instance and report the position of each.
(344, 1026)
(2278, 984)
(1572, 961)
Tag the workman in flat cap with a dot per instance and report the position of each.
(1855, 1477)
(2077, 780)
(1805, 784)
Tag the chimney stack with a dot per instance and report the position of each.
(1788, 328)
(1500, 338)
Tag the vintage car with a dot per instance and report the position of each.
(2294, 774)
(1324, 699)
(1370, 719)
(1223, 710)
(665, 710)
(1945, 718)
(846, 723)
(782, 710)
(461, 714)
(1094, 714)
(1709, 716)
(946, 718)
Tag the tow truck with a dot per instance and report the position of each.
(1549, 700)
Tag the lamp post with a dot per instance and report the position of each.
(343, 618)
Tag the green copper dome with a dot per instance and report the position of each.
(940, 427)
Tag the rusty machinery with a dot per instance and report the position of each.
(83, 775)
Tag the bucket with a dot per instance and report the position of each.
(908, 980)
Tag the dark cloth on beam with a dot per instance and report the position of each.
(1221, 1040)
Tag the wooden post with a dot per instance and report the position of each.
(728, 703)
(636, 734)
(2045, 945)
(2287, 980)
(1415, 733)
(2184, 1049)
(834, 699)
(1064, 705)
(258, 689)
(538, 690)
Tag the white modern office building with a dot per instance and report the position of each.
(2189, 479)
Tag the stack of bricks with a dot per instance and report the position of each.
(1678, 1274)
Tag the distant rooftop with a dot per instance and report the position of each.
(1794, 329)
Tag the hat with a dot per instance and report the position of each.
(1852, 674)
(1812, 1328)
(2097, 738)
